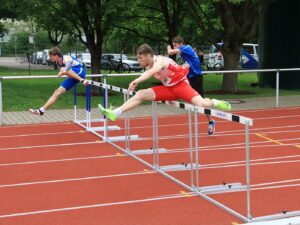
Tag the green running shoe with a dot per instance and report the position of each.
(110, 114)
(223, 105)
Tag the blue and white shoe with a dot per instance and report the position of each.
(211, 127)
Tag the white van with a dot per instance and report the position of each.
(46, 58)
(249, 57)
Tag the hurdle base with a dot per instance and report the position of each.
(218, 189)
(178, 167)
(148, 151)
(286, 221)
(85, 121)
(123, 138)
(103, 128)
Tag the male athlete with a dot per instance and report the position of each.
(71, 68)
(175, 85)
(195, 77)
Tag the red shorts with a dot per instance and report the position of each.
(182, 90)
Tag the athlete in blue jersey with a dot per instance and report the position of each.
(195, 76)
(69, 67)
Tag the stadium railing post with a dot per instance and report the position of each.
(1, 109)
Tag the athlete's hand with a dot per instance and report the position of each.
(60, 74)
(133, 85)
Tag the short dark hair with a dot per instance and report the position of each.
(144, 49)
(178, 40)
(55, 51)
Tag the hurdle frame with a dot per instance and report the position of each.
(219, 114)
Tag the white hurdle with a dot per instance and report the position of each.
(87, 123)
(194, 165)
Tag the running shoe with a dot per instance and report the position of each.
(109, 113)
(36, 112)
(211, 127)
(223, 105)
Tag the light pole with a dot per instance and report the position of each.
(16, 48)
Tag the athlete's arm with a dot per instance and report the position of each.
(68, 63)
(172, 51)
(158, 65)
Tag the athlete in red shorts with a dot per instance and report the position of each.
(175, 85)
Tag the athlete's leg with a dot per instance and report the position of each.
(137, 99)
(59, 91)
(157, 93)
(50, 101)
(184, 91)
(197, 84)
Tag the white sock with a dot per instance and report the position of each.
(216, 102)
(118, 112)
(42, 109)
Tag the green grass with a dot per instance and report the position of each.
(19, 95)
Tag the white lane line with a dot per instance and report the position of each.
(162, 197)
(58, 160)
(275, 182)
(222, 134)
(251, 164)
(53, 145)
(257, 162)
(219, 121)
(252, 160)
(273, 187)
(77, 179)
(36, 125)
(42, 134)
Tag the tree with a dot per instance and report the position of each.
(6, 12)
(239, 19)
(156, 21)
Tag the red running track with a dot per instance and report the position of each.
(59, 174)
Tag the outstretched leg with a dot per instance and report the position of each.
(142, 95)
(209, 103)
(40, 111)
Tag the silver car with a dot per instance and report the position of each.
(120, 63)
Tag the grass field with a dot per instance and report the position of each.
(19, 95)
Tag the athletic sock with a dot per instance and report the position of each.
(216, 102)
(118, 112)
(42, 109)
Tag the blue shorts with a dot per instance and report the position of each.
(70, 82)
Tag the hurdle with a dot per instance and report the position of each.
(87, 122)
(194, 166)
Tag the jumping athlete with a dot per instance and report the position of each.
(195, 77)
(175, 85)
(69, 67)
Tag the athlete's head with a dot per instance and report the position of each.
(145, 55)
(177, 41)
(55, 54)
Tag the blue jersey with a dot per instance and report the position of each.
(191, 57)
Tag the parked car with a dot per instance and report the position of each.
(38, 58)
(46, 58)
(248, 59)
(85, 59)
(120, 63)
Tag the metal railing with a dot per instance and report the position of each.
(136, 74)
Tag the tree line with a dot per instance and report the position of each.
(125, 24)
